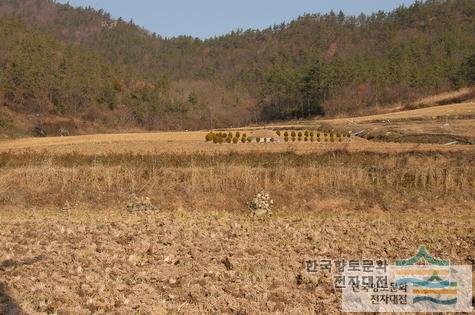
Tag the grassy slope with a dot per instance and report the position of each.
(456, 119)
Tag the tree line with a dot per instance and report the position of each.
(62, 60)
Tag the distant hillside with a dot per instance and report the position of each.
(60, 61)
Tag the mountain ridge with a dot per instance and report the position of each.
(328, 64)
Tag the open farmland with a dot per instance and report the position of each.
(154, 162)
(159, 223)
(454, 123)
(441, 124)
(449, 123)
(185, 262)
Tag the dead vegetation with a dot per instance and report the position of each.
(449, 121)
(452, 124)
(204, 252)
(229, 181)
(81, 233)
(140, 204)
(452, 97)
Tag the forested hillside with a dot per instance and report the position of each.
(60, 61)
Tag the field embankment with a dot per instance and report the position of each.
(448, 124)
(451, 97)
(227, 181)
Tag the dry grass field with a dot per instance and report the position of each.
(451, 111)
(426, 126)
(440, 124)
(69, 243)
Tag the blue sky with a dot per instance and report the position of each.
(206, 18)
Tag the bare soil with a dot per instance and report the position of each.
(182, 262)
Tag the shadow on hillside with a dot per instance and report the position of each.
(8, 306)
(9, 263)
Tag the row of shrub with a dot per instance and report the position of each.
(311, 134)
(222, 137)
(293, 136)
(312, 139)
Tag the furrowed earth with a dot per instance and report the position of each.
(197, 262)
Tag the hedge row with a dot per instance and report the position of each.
(293, 136)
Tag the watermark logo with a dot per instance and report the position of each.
(429, 278)
(421, 283)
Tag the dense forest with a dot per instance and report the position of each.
(61, 61)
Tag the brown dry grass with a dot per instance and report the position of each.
(447, 97)
(440, 124)
(228, 181)
(422, 113)
(193, 142)
(189, 142)
(351, 200)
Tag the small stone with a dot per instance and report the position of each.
(227, 263)
(262, 204)
(260, 213)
